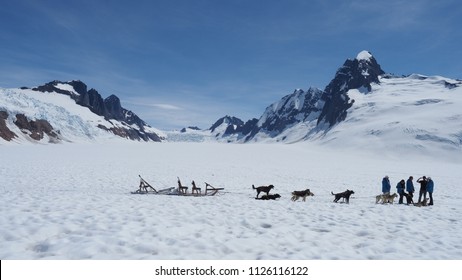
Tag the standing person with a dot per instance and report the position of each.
(400, 189)
(410, 186)
(423, 188)
(430, 190)
(386, 186)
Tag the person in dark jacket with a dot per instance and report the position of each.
(430, 185)
(386, 186)
(423, 188)
(400, 189)
(410, 186)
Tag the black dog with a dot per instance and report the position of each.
(269, 196)
(345, 195)
(265, 189)
(409, 199)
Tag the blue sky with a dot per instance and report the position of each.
(178, 63)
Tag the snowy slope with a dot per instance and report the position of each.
(415, 114)
(365, 108)
(72, 122)
(78, 205)
(280, 117)
(189, 135)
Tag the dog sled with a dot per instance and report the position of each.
(146, 188)
(181, 190)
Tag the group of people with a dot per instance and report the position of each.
(426, 186)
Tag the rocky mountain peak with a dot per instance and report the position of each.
(314, 106)
(228, 120)
(114, 109)
(291, 109)
(358, 73)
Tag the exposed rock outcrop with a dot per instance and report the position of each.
(5, 132)
(36, 129)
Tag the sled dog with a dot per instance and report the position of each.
(269, 197)
(390, 198)
(297, 194)
(264, 189)
(422, 203)
(345, 195)
(385, 198)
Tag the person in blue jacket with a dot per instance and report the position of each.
(410, 186)
(430, 185)
(400, 189)
(386, 186)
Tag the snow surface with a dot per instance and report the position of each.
(364, 55)
(73, 201)
(67, 87)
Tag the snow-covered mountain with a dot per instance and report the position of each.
(298, 107)
(362, 106)
(358, 73)
(226, 125)
(67, 111)
(232, 127)
(414, 113)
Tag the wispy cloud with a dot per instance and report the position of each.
(166, 106)
(393, 15)
(146, 101)
(178, 63)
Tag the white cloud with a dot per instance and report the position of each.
(166, 106)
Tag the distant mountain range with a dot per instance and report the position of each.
(316, 107)
(362, 106)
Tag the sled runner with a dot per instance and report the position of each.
(211, 190)
(146, 188)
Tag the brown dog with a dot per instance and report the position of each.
(422, 203)
(297, 194)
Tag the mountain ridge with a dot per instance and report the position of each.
(361, 106)
(24, 108)
(328, 107)
(354, 108)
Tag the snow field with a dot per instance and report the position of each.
(73, 201)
